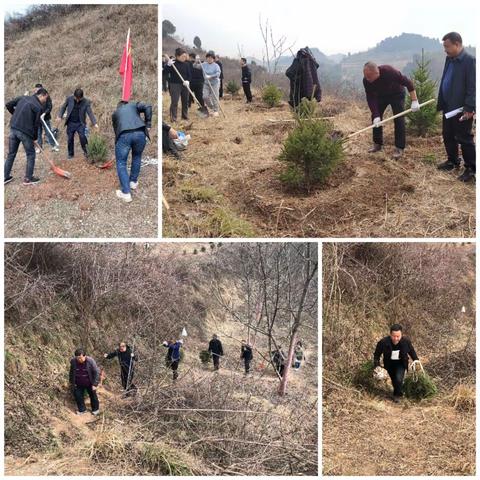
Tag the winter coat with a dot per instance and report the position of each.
(385, 347)
(246, 75)
(127, 117)
(124, 358)
(85, 109)
(173, 353)
(303, 76)
(92, 370)
(246, 353)
(26, 111)
(185, 70)
(215, 347)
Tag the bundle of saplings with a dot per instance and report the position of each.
(205, 356)
(363, 377)
(419, 386)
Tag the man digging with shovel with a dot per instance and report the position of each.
(395, 350)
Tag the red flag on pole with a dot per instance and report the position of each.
(126, 69)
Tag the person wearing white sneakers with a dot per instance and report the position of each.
(131, 133)
(211, 87)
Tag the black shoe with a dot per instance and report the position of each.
(467, 176)
(396, 399)
(397, 154)
(70, 157)
(8, 180)
(31, 181)
(448, 165)
(376, 148)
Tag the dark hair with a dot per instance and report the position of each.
(179, 51)
(210, 54)
(454, 37)
(396, 327)
(41, 91)
(192, 55)
(122, 102)
(38, 85)
(243, 59)
(78, 93)
(79, 351)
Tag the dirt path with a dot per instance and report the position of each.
(227, 184)
(84, 206)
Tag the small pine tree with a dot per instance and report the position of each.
(97, 149)
(425, 121)
(271, 95)
(232, 87)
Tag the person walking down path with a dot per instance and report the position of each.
(173, 356)
(126, 359)
(246, 354)
(215, 348)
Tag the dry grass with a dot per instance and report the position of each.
(368, 195)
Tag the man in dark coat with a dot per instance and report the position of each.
(246, 79)
(179, 84)
(384, 86)
(303, 76)
(24, 124)
(131, 123)
(216, 350)
(84, 375)
(246, 354)
(457, 91)
(173, 356)
(47, 117)
(77, 108)
(196, 84)
(219, 63)
(278, 359)
(126, 358)
(395, 350)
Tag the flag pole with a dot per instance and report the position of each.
(126, 61)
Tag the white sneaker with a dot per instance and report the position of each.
(37, 150)
(214, 114)
(55, 149)
(126, 197)
(95, 412)
(133, 185)
(82, 413)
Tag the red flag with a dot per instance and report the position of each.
(126, 69)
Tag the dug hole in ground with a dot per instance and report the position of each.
(430, 290)
(80, 47)
(206, 423)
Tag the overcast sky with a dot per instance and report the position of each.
(333, 27)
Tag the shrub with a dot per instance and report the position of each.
(160, 459)
(423, 122)
(272, 95)
(232, 87)
(423, 387)
(310, 153)
(97, 149)
(463, 398)
(205, 356)
(224, 223)
(306, 108)
(363, 377)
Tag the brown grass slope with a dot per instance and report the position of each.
(96, 295)
(423, 287)
(83, 49)
(235, 159)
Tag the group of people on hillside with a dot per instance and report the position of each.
(85, 375)
(32, 118)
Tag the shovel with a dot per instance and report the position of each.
(45, 126)
(401, 114)
(202, 111)
(56, 170)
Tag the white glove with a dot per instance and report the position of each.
(415, 106)
(197, 58)
(186, 83)
(105, 355)
(170, 62)
(209, 77)
(165, 344)
(132, 354)
(376, 122)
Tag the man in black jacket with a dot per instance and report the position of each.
(77, 108)
(197, 81)
(457, 91)
(219, 63)
(84, 375)
(246, 354)
(179, 84)
(131, 133)
(24, 125)
(246, 79)
(126, 359)
(47, 117)
(216, 350)
(395, 350)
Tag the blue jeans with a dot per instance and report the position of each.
(80, 129)
(50, 140)
(135, 141)
(14, 139)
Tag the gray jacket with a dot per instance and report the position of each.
(92, 370)
(127, 117)
(85, 109)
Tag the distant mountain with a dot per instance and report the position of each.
(337, 57)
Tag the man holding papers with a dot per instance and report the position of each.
(456, 99)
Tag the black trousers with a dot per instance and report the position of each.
(125, 379)
(397, 102)
(79, 392)
(457, 133)
(174, 366)
(178, 93)
(247, 91)
(247, 365)
(197, 89)
(220, 90)
(73, 128)
(397, 374)
(216, 361)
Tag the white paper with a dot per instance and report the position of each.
(452, 113)
(184, 332)
(395, 354)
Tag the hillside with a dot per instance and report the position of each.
(205, 423)
(228, 183)
(82, 48)
(430, 290)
